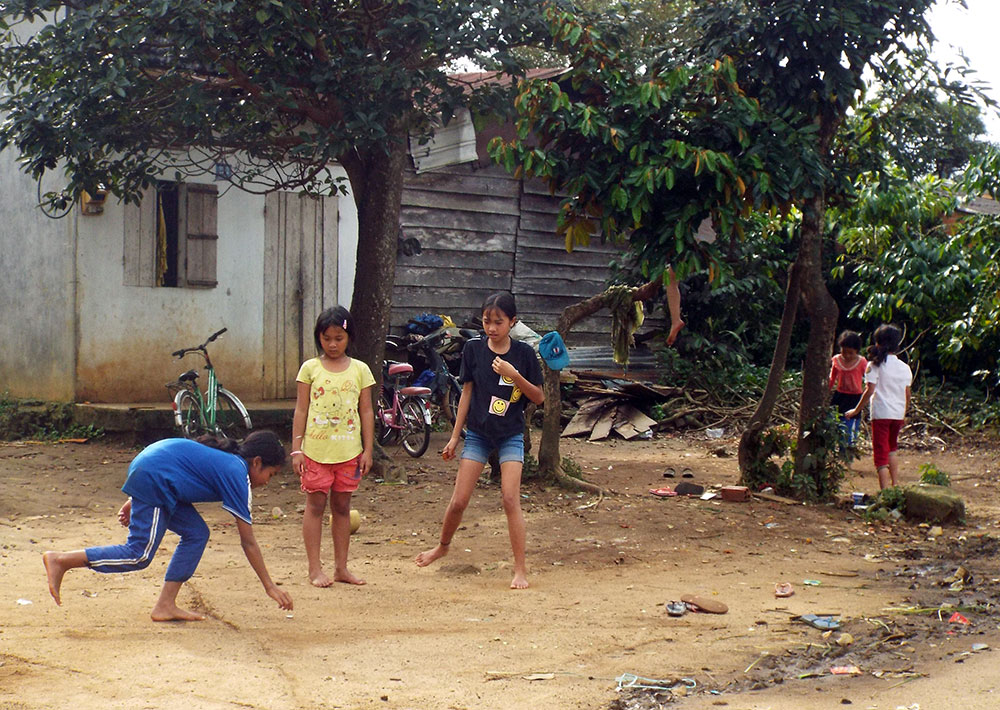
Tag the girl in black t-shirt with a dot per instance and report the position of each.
(498, 373)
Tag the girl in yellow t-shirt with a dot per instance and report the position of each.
(332, 432)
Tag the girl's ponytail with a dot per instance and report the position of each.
(886, 341)
(259, 443)
(230, 446)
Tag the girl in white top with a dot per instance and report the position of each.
(887, 386)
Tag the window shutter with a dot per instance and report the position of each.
(202, 236)
(140, 241)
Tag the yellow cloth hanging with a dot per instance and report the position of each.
(161, 244)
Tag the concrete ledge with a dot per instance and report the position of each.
(159, 416)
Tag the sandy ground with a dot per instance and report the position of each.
(453, 636)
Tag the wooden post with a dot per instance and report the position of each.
(549, 459)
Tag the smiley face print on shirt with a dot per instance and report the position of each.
(499, 407)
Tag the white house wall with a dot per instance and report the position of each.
(37, 323)
(128, 332)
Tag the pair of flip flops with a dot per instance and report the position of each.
(695, 602)
(685, 473)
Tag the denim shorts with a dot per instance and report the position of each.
(478, 447)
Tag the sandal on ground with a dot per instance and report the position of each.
(662, 492)
(698, 603)
(783, 589)
(687, 473)
(669, 473)
(676, 608)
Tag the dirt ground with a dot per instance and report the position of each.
(453, 636)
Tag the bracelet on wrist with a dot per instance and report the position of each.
(295, 452)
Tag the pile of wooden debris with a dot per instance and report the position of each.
(604, 405)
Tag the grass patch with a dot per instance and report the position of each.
(43, 421)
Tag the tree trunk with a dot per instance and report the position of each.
(377, 182)
(822, 311)
(750, 440)
(549, 460)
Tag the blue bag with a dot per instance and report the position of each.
(424, 323)
(553, 350)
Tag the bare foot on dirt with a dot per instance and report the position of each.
(347, 578)
(520, 581)
(320, 579)
(54, 570)
(428, 556)
(172, 612)
(675, 328)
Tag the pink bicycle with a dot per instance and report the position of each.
(401, 413)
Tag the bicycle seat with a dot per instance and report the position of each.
(189, 376)
(415, 391)
(400, 368)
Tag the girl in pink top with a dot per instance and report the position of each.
(847, 374)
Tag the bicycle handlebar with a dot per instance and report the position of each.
(198, 348)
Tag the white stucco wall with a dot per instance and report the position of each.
(71, 329)
(37, 323)
(126, 333)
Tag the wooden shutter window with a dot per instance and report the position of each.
(202, 235)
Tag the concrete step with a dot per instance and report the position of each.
(158, 417)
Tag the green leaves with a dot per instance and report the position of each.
(118, 91)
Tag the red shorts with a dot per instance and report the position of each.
(885, 435)
(342, 477)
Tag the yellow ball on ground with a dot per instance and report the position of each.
(355, 521)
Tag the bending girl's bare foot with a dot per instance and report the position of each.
(320, 579)
(428, 556)
(54, 570)
(347, 578)
(172, 612)
(675, 328)
(520, 581)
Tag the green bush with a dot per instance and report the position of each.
(889, 499)
(929, 473)
(46, 421)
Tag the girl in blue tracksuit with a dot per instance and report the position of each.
(163, 482)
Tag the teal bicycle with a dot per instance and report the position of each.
(214, 411)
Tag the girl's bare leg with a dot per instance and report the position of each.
(57, 564)
(674, 307)
(166, 608)
(883, 477)
(340, 527)
(893, 468)
(312, 533)
(510, 487)
(465, 483)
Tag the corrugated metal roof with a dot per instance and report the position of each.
(981, 205)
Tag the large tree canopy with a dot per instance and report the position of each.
(119, 93)
(747, 113)
(113, 91)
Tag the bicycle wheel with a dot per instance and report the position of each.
(451, 401)
(187, 414)
(231, 418)
(416, 433)
(384, 415)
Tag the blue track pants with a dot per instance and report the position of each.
(145, 531)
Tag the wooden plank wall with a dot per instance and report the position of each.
(481, 231)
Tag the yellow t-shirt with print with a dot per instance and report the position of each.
(333, 425)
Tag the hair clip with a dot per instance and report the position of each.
(345, 324)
